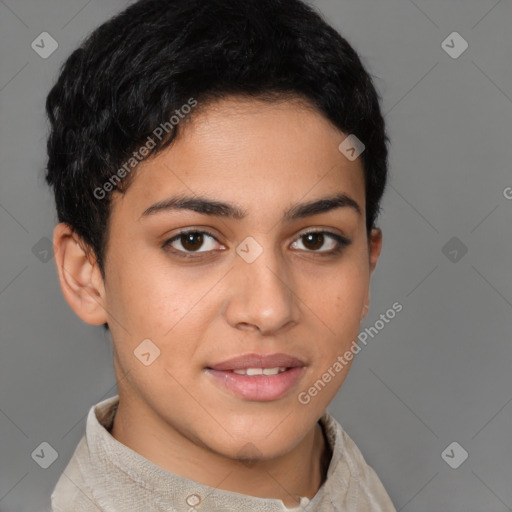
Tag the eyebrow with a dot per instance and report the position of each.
(215, 208)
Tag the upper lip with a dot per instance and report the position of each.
(258, 361)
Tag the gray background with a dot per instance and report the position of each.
(437, 373)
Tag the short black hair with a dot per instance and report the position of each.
(135, 71)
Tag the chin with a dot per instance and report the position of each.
(249, 450)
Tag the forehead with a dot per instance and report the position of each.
(258, 153)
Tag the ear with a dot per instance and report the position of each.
(79, 275)
(375, 246)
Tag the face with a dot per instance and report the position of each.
(257, 278)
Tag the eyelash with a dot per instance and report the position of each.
(342, 244)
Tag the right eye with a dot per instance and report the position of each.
(190, 240)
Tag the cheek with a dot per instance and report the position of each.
(143, 293)
(341, 297)
(170, 308)
(337, 308)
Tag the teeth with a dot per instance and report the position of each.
(260, 371)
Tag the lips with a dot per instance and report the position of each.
(258, 361)
(258, 377)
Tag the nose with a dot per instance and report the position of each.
(262, 295)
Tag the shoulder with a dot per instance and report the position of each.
(71, 493)
(352, 473)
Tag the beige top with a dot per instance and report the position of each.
(105, 475)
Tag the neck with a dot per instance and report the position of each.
(297, 473)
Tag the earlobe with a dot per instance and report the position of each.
(366, 308)
(79, 276)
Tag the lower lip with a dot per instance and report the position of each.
(261, 388)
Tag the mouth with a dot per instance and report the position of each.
(258, 377)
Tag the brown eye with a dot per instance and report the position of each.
(313, 241)
(191, 242)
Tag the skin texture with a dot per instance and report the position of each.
(201, 311)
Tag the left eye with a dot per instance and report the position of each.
(192, 241)
(318, 238)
